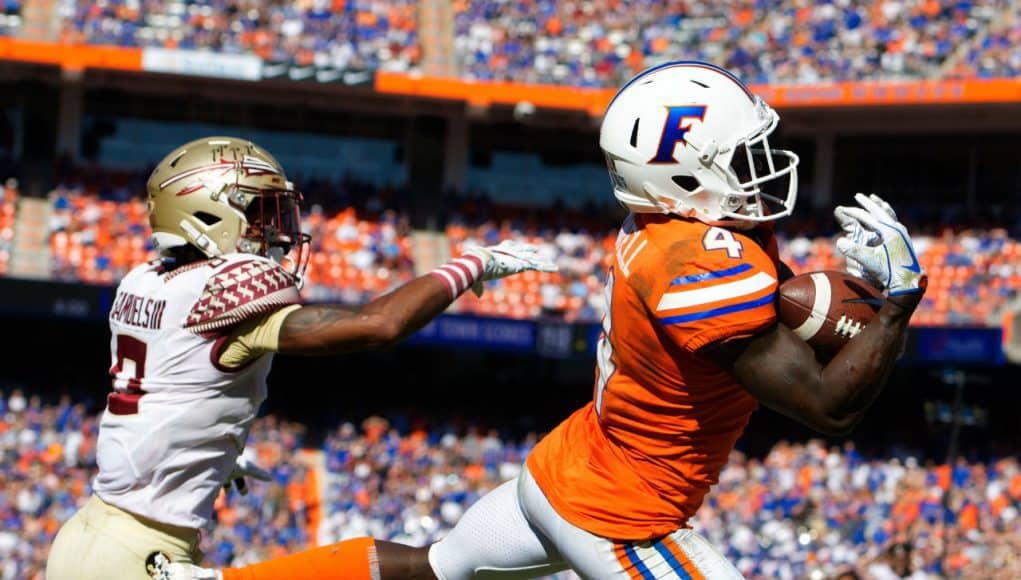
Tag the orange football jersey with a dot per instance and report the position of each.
(635, 463)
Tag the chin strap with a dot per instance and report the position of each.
(200, 240)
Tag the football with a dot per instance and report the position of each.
(828, 308)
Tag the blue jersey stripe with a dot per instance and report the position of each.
(670, 559)
(718, 311)
(639, 565)
(682, 280)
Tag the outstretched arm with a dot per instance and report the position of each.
(328, 328)
(331, 328)
(782, 371)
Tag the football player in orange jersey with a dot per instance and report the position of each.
(690, 347)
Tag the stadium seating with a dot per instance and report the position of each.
(995, 53)
(766, 41)
(10, 17)
(972, 274)
(354, 259)
(49, 461)
(359, 255)
(356, 34)
(8, 209)
(802, 511)
(273, 518)
(94, 240)
(98, 241)
(573, 293)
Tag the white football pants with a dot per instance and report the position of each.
(514, 532)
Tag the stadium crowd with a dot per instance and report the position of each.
(995, 53)
(8, 209)
(361, 249)
(603, 43)
(359, 34)
(590, 43)
(802, 511)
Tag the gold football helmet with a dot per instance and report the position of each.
(224, 195)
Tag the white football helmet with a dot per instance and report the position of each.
(689, 138)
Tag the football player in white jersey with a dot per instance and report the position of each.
(193, 337)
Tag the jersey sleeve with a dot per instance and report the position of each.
(713, 295)
(238, 291)
(253, 338)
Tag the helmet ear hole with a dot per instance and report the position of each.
(686, 182)
(634, 134)
(206, 218)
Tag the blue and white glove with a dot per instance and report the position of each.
(244, 467)
(857, 233)
(507, 258)
(879, 246)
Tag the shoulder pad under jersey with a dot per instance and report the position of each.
(239, 290)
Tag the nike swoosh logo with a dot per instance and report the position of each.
(914, 266)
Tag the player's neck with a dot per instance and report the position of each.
(181, 256)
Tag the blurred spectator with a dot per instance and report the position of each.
(589, 43)
(996, 52)
(603, 42)
(10, 17)
(8, 209)
(802, 511)
(363, 248)
(356, 34)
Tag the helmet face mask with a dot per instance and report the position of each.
(766, 178)
(688, 138)
(273, 219)
(223, 195)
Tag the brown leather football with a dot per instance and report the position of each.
(827, 309)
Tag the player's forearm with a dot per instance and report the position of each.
(321, 329)
(853, 379)
(407, 309)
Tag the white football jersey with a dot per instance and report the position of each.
(177, 420)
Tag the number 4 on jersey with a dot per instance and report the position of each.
(721, 239)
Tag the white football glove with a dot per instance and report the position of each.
(506, 259)
(244, 467)
(857, 233)
(879, 245)
(184, 572)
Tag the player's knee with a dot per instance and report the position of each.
(448, 563)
